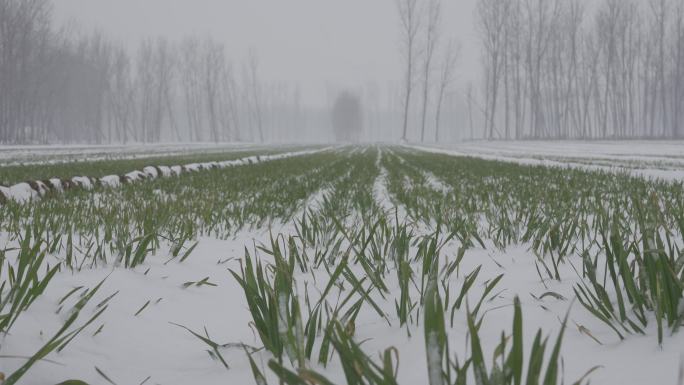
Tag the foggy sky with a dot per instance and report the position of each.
(311, 43)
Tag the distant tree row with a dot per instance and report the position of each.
(550, 69)
(57, 87)
(567, 69)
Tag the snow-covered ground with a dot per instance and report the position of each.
(653, 159)
(131, 348)
(135, 346)
(50, 154)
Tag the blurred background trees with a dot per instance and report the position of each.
(347, 118)
(551, 69)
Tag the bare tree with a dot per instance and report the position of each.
(409, 16)
(660, 11)
(192, 86)
(256, 93)
(432, 34)
(122, 95)
(469, 97)
(445, 81)
(492, 15)
(145, 89)
(164, 70)
(678, 70)
(213, 65)
(228, 112)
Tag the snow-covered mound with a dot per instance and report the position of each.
(27, 191)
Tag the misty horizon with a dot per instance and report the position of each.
(312, 44)
(427, 71)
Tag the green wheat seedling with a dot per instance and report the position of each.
(508, 366)
(274, 303)
(468, 284)
(436, 345)
(63, 337)
(347, 259)
(215, 348)
(646, 276)
(25, 282)
(359, 368)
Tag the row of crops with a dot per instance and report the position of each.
(26, 182)
(361, 265)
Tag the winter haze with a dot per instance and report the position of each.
(314, 43)
(79, 71)
(331, 192)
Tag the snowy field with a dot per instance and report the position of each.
(360, 265)
(27, 155)
(657, 159)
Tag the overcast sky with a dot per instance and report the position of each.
(312, 43)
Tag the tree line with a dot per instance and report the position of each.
(57, 86)
(576, 69)
(551, 69)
